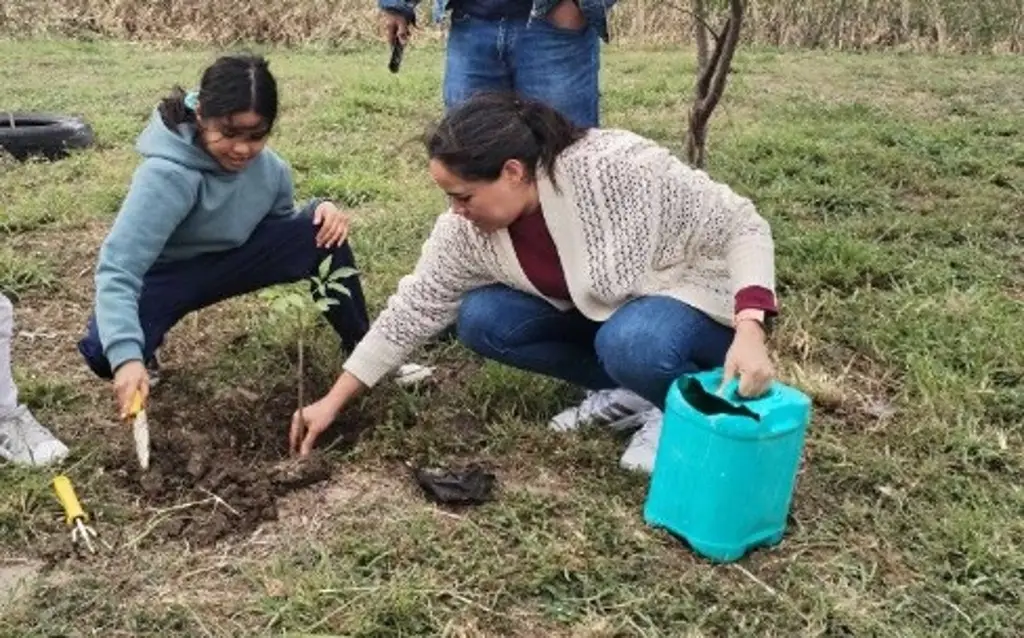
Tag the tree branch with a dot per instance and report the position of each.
(700, 32)
(724, 57)
(698, 13)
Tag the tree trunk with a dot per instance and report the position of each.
(711, 77)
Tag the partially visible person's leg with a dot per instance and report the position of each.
(561, 68)
(528, 333)
(474, 60)
(22, 438)
(279, 251)
(8, 391)
(649, 343)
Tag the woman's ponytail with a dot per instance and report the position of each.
(552, 131)
(477, 138)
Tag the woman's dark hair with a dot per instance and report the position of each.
(232, 84)
(477, 137)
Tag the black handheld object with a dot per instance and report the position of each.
(397, 48)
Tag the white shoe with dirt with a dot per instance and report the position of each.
(617, 409)
(23, 440)
(409, 374)
(643, 447)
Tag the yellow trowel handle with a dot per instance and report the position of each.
(136, 404)
(67, 497)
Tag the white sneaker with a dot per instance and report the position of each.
(617, 409)
(412, 373)
(23, 440)
(643, 447)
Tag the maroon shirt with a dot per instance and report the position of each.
(538, 256)
(539, 259)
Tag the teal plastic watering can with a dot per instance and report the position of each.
(726, 467)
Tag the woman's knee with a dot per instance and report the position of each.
(633, 351)
(654, 340)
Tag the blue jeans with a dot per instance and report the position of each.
(644, 346)
(541, 61)
(279, 251)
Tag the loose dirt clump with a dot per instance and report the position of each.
(215, 475)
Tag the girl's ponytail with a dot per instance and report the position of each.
(173, 110)
(232, 84)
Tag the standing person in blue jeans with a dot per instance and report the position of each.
(209, 215)
(547, 50)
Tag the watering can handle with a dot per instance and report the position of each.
(731, 390)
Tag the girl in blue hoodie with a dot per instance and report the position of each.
(209, 215)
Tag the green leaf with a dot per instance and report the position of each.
(342, 273)
(325, 266)
(335, 286)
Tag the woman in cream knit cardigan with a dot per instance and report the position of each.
(589, 255)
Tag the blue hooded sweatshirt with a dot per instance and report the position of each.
(181, 204)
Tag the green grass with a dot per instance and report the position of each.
(894, 185)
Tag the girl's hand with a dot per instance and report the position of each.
(128, 378)
(333, 225)
(748, 359)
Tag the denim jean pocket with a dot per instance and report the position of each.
(545, 22)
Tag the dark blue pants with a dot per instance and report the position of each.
(279, 251)
(559, 67)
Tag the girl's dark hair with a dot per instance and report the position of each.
(232, 84)
(477, 137)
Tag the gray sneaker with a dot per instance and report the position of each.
(24, 441)
(617, 409)
(643, 447)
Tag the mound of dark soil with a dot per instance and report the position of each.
(215, 473)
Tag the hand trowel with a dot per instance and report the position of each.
(140, 430)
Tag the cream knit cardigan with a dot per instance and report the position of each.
(628, 219)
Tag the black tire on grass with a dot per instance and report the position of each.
(42, 135)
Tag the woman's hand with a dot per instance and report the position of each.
(748, 358)
(333, 224)
(312, 420)
(129, 378)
